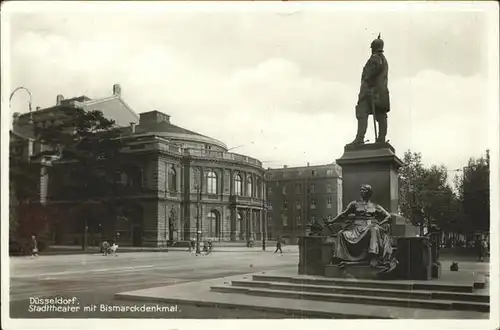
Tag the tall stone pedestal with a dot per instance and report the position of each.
(375, 164)
(315, 252)
(414, 258)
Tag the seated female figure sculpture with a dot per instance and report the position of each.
(366, 238)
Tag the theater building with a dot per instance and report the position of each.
(185, 181)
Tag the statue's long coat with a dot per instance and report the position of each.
(374, 80)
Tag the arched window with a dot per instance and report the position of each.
(211, 182)
(249, 187)
(172, 178)
(237, 185)
(214, 221)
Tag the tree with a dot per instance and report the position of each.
(438, 198)
(24, 179)
(411, 185)
(89, 166)
(474, 194)
(425, 196)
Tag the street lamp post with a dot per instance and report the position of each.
(264, 225)
(29, 102)
(198, 231)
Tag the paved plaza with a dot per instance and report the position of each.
(95, 279)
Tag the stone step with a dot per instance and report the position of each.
(424, 295)
(357, 299)
(407, 285)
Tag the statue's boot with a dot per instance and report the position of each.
(382, 126)
(360, 135)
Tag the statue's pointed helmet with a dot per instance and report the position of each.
(377, 44)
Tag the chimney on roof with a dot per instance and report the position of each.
(285, 166)
(132, 127)
(117, 90)
(307, 164)
(59, 99)
(38, 108)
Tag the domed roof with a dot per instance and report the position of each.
(159, 123)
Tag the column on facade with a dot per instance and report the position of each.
(203, 223)
(241, 223)
(233, 224)
(241, 231)
(202, 179)
(258, 226)
(231, 182)
(178, 179)
(250, 223)
(220, 182)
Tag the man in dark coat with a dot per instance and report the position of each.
(373, 98)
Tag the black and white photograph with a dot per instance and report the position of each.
(172, 164)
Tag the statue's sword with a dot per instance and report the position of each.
(373, 114)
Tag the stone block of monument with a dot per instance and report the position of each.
(414, 258)
(434, 235)
(373, 164)
(402, 227)
(315, 251)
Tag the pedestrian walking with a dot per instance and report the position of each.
(210, 246)
(34, 246)
(192, 246)
(482, 247)
(114, 247)
(278, 247)
(105, 248)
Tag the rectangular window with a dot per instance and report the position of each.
(297, 188)
(328, 187)
(313, 173)
(313, 189)
(298, 220)
(285, 220)
(285, 204)
(313, 218)
(269, 203)
(329, 203)
(283, 190)
(313, 203)
(297, 204)
(269, 190)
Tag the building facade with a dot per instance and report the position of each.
(184, 182)
(300, 195)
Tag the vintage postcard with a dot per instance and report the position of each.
(281, 165)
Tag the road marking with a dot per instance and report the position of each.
(83, 271)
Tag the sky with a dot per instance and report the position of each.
(279, 81)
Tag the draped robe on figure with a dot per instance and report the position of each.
(364, 236)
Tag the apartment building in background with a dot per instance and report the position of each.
(297, 196)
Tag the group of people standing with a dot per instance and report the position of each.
(107, 249)
(206, 249)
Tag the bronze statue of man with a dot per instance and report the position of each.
(373, 98)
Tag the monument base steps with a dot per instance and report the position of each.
(408, 295)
